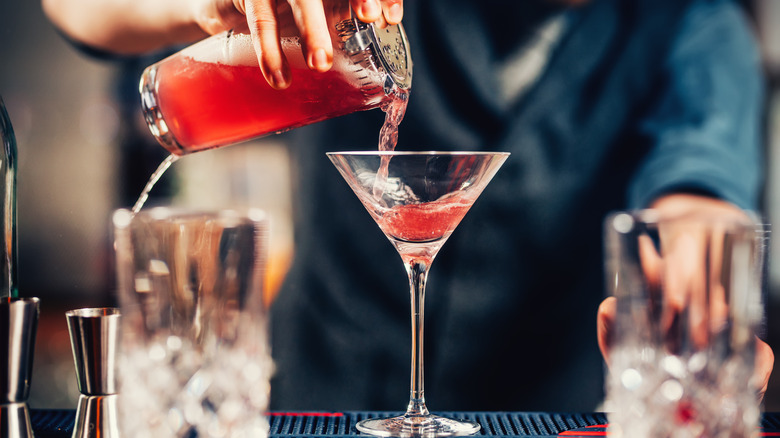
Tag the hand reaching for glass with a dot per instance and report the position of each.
(687, 269)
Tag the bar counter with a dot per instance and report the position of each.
(59, 423)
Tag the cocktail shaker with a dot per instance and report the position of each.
(213, 93)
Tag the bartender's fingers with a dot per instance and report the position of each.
(717, 299)
(652, 265)
(765, 361)
(367, 11)
(690, 295)
(215, 16)
(309, 17)
(392, 11)
(383, 12)
(604, 323)
(685, 286)
(264, 27)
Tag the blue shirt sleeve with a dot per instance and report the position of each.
(705, 131)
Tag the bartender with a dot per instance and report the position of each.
(604, 105)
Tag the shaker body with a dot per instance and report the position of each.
(213, 94)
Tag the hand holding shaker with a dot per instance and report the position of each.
(213, 93)
(682, 356)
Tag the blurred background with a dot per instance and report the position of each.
(82, 154)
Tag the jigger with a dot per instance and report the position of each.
(18, 324)
(93, 338)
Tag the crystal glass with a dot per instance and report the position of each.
(688, 295)
(193, 356)
(417, 199)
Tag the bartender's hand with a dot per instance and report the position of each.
(267, 19)
(141, 26)
(683, 251)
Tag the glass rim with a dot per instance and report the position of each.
(94, 312)
(420, 153)
(19, 301)
(624, 221)
(124, 217)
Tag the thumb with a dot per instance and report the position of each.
(604, 324)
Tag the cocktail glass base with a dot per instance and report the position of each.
(417, 426)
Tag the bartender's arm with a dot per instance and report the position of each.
(137, 26)
(705, 133)
(680, 205)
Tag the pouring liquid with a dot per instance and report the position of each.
(139, 204)
(388, 135)
(212, 94)
(388, 138)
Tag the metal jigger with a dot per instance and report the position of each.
(18, 324)
(93, 337)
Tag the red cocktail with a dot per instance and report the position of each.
(213, 93)
(209, 104)
(424, 222)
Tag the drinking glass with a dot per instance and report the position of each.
(94, 333)
(417, 199)
(18, 326)
(194, 354)
(688, 294)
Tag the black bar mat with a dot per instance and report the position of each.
(59, 423)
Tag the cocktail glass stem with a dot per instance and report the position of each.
(418, 273)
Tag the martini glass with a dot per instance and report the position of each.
(417, 199)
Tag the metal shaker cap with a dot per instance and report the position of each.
(389, 45)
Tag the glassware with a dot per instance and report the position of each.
(8, 284)
(417, 199)
(688, 292)
(94, 338)
(18, 326)
(213, 93)
(194, 357)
